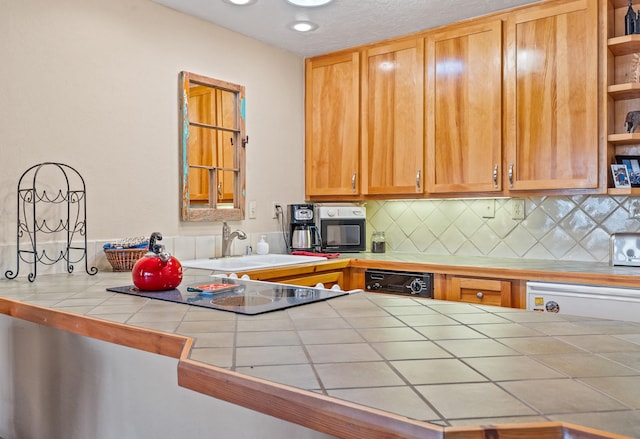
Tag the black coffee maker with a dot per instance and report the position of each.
(302, 228)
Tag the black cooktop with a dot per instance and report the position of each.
(237, 295)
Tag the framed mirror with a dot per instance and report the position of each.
(212, 148)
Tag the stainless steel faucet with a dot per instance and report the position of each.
(228, 237)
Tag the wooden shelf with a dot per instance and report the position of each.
(624, 45)
(629, 90)
(620, 3)
(624, 138)
(623, 191)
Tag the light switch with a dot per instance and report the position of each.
(488, 208)
(252, 210)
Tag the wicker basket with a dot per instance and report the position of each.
(124, 259)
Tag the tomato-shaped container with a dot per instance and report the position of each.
(157, 270)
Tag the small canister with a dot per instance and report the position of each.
(378, 242)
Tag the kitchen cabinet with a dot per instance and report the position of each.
(485, 291)
(464, 101)
(511, 107)
(551, 87)
(392, 117)
(332, 123)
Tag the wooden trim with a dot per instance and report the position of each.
(542, 430)
(169, 345)
(316, 411)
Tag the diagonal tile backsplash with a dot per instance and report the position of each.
(575, 228)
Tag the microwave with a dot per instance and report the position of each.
(342, 228)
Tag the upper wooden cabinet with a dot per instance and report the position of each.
(332, 116)
(464, 102)
(552, 96)
(392, 118)
(501, 105)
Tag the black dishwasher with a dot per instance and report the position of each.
(399, 282)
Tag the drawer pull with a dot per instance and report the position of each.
(479, 294)
(495, 176)
(510, 174)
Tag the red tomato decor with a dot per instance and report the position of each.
(157, 270)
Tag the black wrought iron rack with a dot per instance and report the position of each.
(51, 199)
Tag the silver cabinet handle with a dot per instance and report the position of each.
(418, 180)
(353, 182)
(479, 294)
(495, 176)
(510, 174)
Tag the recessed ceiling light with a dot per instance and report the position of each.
(240, 2)
(309, 3)
(304, 26)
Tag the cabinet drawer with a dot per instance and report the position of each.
(484, 291)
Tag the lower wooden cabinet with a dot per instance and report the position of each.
(485, 291)
(308, 275)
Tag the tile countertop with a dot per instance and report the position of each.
(517, 268)
(450, 364)
(498, 263)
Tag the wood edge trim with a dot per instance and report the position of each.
(529, 430)
(149, 340)
(312, 410)
(577, 431)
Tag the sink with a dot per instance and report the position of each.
(253, 262)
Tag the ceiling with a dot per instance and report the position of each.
(342, 23)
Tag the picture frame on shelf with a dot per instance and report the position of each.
(620, 176)
(632, 163)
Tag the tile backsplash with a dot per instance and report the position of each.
(575, 228)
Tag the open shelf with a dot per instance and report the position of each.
(623, 191)
(624, 138)
(624, 45)
(630, 90)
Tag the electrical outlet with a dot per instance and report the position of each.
(517, 208)
(488, 208)
(277, 209)
(252, 209)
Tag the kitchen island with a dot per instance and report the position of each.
(370, 365)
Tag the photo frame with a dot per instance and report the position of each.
(620, 176)
(632, 163)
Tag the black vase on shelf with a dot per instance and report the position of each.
(630, 20)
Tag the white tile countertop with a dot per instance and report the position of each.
(448, 364)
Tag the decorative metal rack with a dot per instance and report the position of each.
(36, 196)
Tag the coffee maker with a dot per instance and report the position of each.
(302, 228)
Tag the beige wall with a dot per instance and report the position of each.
(58, 385)
(94, 84)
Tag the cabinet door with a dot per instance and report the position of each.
(551, 96)
(392, 118)
(485, 291)
(464, 116)
(332, 116)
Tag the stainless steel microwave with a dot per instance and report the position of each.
(342, 228)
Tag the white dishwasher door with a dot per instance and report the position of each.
(584, 300)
